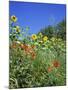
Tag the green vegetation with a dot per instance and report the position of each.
(58, 31)
(38, 60)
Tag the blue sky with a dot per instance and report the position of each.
(37, 15)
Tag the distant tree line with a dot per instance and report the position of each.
(58, 30)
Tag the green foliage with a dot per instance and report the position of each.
(38, 60)
(49, 31)
(58, 30)
(25, 72)
(62, 30)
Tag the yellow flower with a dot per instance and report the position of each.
(14, 18)
(17, 29)
(34, 36)
(45, 38)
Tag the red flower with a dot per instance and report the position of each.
(56, 63)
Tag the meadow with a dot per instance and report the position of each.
(37, 60)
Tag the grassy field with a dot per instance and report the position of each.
(37, 61)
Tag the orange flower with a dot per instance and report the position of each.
(49, 69)
(33, 55)
(24, 46)
(28, 50)
(33, 46)
(21, 46)
(56, 64)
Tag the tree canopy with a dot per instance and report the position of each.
(58, 30)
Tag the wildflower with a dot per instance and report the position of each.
(21, 46)
(49, 69)
(56, 64)
(33, 55)
(33, 46)
(26, 48)
(34, 36)
(17, 29)
(14, 18)
(45, 38)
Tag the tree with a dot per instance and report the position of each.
(48, 31)
(58, 30)
(61, 29)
